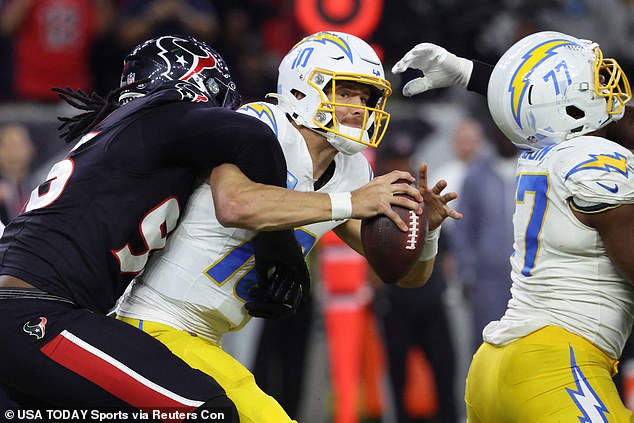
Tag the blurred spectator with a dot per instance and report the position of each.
(415, 317)
(603, 21)
(275, 23)
(463, 137)
(16, 155)
(107, 51)
(253, 67)
(6, 70)
(448, 23)
(467, 141)
(511, 22)
(51, 44)
(482, 241)
(144, 19)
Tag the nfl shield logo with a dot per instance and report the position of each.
(130, 78)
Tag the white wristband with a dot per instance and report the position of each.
(341, 205)
(430, 247)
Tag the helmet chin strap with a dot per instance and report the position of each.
(345, 145)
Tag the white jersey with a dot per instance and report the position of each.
(561, 273)
(200, 281)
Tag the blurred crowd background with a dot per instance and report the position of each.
(359, 351)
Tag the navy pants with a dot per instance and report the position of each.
(54, 355)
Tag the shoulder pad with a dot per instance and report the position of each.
(598, 171)
(268, 113)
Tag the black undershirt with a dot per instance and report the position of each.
(327, 175)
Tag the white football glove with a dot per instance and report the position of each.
(440, 68)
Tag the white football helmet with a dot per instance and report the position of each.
(321, 61)
(550, 87)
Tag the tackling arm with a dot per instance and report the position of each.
(242, 203)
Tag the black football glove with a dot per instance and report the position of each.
(283, 280)
(277, 296)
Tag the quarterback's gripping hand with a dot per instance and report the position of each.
(440, 68)
(277, 295)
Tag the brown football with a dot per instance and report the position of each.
(391, 252)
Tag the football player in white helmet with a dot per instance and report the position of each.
(331, 104)
(553, 354)
(313, 77)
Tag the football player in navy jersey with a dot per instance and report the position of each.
(90, 227)
(553, 354)
(330, 106)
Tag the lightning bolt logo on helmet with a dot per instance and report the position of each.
(329, 37)
(550, 87)
(521, 77)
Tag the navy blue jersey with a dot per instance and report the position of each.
(91, 226)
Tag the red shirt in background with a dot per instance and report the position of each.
(51, 48)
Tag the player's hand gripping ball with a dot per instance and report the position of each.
(391, 252)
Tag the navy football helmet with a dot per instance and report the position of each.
(173, 58)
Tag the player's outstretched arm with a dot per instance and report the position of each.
(243, 203)
(441, 69)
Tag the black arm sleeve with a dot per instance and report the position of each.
(236, 138)
(183, 134)
(479, 81)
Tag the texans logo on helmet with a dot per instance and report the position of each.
(38, 330)
(187, 92)
(194, 56)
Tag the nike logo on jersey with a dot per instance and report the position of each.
(613, 189)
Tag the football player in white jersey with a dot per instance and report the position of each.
(553, 354)
(330, 105)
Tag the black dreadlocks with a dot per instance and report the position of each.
(96, 108)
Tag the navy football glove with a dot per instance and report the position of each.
(283, 280)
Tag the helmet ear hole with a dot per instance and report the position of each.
(298, 94)
(575, 113)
